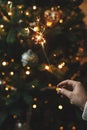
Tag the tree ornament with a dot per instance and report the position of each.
(29, 57)
(52, 16)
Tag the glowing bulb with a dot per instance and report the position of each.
(49, 23)
(61, 128)
(34, 7)
(1, 26)
(3, 73)
(12, 60)
(61, 21)
(33, 86)
(60, 107)
(11, 73)
(27, 72)
(14, 116)
(73, 127)
(6, 89)
(28, 67)
(4, 63)
(27, 13)
(35, 99)
(9, 13)
(47, 67)
(34, 106)
(36, 29)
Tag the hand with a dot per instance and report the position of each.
(77, 94)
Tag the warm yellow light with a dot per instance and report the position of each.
(36, 29)
(28, 67)
(11, 73)
(34, 106)
(3, 73)
(60, 107)
(27, 13)
(1, 26)
(4, 63)
(35, 99)
(10, 13)
(54, 55)
(7, 88)
(12, 60)
(73, 127)
(60, 66)
(49, 24)
(34, 7)
(61, 21)
(61, 128)
(27, 72)
(14, 116)
(33, 86)
(49, 85)
(47, 67)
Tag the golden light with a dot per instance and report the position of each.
(3, 73)
(61, 21)
(60, 66)
(10, 13)
(49, 85)
(38, 38)
(27, 72)
(34, 106)
(54, 55)
(34, 7)
(6, 88)
(73, 127)
(14, 116)
(4, 63)
(61, 128)
(49, 24)
(33, 86)
(28, 67)
(1, 26)
(27, 13)
(11, 73)
(47, 67)
(36, 29)
(12, 60)
(35, 99)
(60, 107)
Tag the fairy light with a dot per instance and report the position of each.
(1, 26)
(39, 38)
(61, 128)
(11, 73)
(10, 13)
(60, 107)
(27, 13)
(34, 7)
(6, 88)
(49, 85)
(3, 73)
(12, 60)
(60, 66)
(61, 21)
(27, 72)
(14, 116)
(73, 127)
(8, 96)
(33, 86)
(49, 24)
(4, 63)
(35, 99)
(34, 106)
(36, 29)
(47, 67)
(28, 67)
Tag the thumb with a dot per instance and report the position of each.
(65, 92)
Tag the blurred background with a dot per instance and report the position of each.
(42, 42)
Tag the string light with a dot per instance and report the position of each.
(60, 66)
(4, 63)
(11, 73)
(27, 72)
(47, 67)
(60, 107)
(34, 7)
(61, 128)
(34, 106)
(35, 99)
(33, 86)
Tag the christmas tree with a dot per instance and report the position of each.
(42, 42)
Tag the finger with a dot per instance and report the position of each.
(67, 83)
(65, 92)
